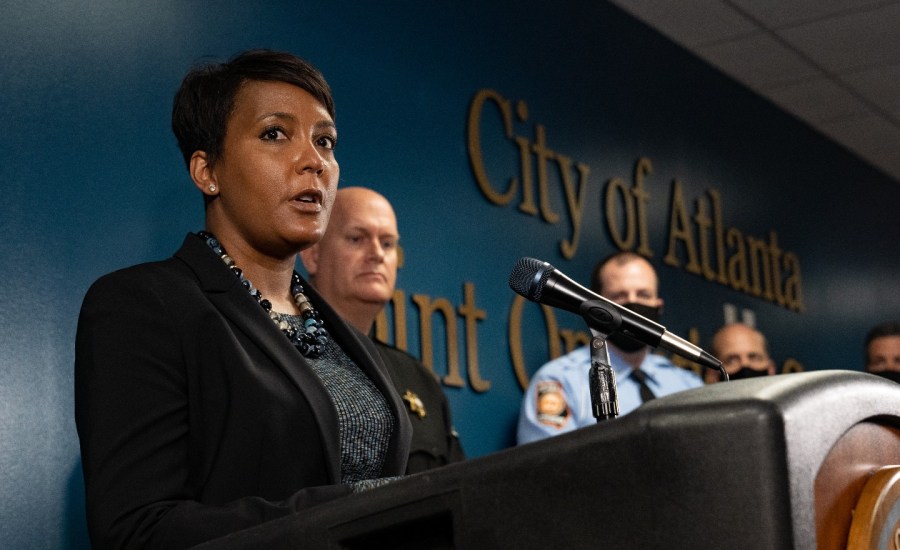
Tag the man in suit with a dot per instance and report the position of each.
(354, 267)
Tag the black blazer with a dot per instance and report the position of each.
(196, 416)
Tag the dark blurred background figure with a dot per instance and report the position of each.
(883, 350)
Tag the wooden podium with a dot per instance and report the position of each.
(766, 463)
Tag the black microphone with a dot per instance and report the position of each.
(541, 282)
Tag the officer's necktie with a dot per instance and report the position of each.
(646, 392)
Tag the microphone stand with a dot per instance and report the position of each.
(604, 397)
(601, 321)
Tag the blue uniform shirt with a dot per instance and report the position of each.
(558, 398)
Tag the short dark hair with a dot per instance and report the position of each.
(890, 328)
(620, 257)
(205, 99)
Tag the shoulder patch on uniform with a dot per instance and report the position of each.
(550, 401)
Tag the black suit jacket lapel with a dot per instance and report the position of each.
(225, 292)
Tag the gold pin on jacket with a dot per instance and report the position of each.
(414, 403)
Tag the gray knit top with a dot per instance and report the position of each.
(364, 417)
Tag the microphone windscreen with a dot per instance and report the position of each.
(529, 276)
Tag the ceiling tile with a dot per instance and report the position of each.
(833, 63)
(818, 100)
(690, 22)
(850, 42)
(881, 86)
(759, 61)
(778, 13)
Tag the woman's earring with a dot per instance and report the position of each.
(212, 187)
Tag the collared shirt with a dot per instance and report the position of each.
(558, 398)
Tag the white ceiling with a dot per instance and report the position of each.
(832, 63)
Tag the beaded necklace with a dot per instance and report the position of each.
(310, 341)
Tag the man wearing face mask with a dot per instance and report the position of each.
(883, 351)
(743, 352)
(558, 399)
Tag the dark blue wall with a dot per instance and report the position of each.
(92, 181)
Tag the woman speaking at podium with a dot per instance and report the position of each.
(215, 390)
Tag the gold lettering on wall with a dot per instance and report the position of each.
(634, 200)
(615, 190)
(642, 168)
(427, 308)
(680, 230)
(574, 200)
(551, 186)
(716, 198)
(398, 306)
(697, 242)
(703, 223)
(515, 338)
(793, 287)
(737, 263)
(755, 266)
(476, 158)
(472, 315)
(534, 156)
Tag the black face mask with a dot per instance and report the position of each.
(889, 374)
(627, 343)
(747, 372)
